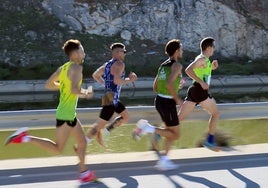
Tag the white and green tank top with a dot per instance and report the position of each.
(164, 72)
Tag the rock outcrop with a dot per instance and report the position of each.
(239, 27)
(32, 32)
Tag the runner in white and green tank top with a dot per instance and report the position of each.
(166, 85)
(164, 72)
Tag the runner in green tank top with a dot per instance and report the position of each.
(198, 93)
(68, 80)
(166, 85)
(164, 72)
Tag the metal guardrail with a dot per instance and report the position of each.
(34, 91)
(44, 118)
(142, 83)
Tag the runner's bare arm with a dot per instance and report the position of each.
(52, 82)
(117, 70)
(175, 72)
(155, 84)
(198, 63)
(97, 75)
(75, 75)
(215, 64)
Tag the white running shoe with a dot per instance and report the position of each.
(165, 165)
(143, 127)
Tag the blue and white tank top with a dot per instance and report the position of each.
(109, 81)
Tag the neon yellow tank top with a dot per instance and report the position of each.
(204, 73)
(66, 109)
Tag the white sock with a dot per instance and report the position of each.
(164, 158)
(106, 132)
(88, 140)
(26, 139)
(84, 174)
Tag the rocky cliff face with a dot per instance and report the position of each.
(32, 32)
(239, 27)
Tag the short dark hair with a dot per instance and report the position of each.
(206, 42)
(71, 45)
(172, 46)
(117, 45)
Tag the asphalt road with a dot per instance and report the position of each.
(247, 171)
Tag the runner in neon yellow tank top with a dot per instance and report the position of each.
(166, 85)
(68, 101)
(203, 73)
(68, 80)
(198, 93)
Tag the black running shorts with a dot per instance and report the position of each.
(71, 123)
(196, 93)
(108, 111)
(167, 110)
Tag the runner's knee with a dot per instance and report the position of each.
(125, 118)
(176, 135)
(82, 144)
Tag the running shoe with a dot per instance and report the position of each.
(211, 146)
(165, 165)
(87, 177)
(142, 125)
(17, 137)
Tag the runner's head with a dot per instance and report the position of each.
(118, 51)
(207, 46)
(174, 49)
(74, 50)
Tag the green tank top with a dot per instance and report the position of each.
(66, 109)
(164, 72)
(204, 73)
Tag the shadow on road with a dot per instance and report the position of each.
(126, 172)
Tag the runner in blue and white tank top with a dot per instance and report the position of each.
(109, 81)
(112, 76)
